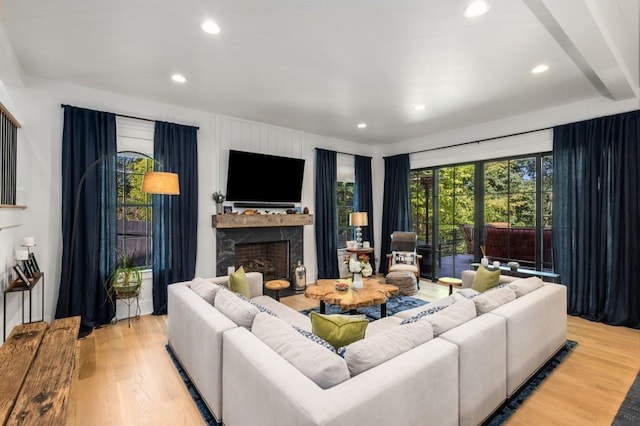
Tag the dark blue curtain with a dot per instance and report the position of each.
(175, 217)
(326, 213)
(88, 145)
(596, 219)
(363, 198)
(396, 207)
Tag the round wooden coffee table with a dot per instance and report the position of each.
(276, 285)
(373, 292)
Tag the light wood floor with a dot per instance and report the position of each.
(124, 376)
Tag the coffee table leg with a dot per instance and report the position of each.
(323, 307)
(383, 310)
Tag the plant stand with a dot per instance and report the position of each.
(128, 298)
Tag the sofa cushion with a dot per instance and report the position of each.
(368, 353)
(524, 286)
(289, 315)
(315, 339)
(452, 316)
(205, 289)
(324, 367)
(337, 329)
(485, 279)
(467, 293)
(429, 310)
(490, 300)
(445, 301)
(237, 310)
(239, 282)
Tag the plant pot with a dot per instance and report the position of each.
(123, 289)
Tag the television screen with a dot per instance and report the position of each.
(264, 178)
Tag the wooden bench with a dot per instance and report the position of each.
(37, 362)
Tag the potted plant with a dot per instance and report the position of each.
(127, 278)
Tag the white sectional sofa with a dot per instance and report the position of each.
(459, 377)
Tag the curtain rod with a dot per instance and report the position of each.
(130, 116)
(480, 140)
(344, 153)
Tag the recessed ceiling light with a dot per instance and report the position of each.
(539, 68)
(210, 27)
(419, 107)
(178, 78)
(475, 9)
(362, 125)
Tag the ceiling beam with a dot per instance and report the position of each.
(594, 38)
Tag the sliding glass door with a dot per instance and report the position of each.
(455, 223)
(501, 208)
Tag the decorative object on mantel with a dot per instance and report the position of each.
(305, 210)
(219, 198)
(513, 266)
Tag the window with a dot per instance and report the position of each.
(134, 207)
(8, 156)
(345, 207)
(344, 196)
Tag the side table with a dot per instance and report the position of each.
(276, 285)
(451, 282)
(16, 286)
(360, 250)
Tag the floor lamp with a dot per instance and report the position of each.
(153, 182)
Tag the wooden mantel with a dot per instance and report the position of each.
(260, 220)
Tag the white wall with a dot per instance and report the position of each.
(37, 108)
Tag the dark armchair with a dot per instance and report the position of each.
(403, 256)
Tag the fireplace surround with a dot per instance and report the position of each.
(242, 239)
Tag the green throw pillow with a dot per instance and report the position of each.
(239, 283)
(485, 279)
(339, 330)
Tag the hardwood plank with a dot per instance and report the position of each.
(44, 394)
(16, 356)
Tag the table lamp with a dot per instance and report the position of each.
(358, 219)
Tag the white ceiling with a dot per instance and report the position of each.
(322, 66)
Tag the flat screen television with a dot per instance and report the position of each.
(264, 178)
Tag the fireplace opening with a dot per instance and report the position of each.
(271, 258)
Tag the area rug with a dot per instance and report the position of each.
(498, 418)
(394, 305)
(629, 411)
(510, 407)
(202, 407)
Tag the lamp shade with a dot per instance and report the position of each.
(358, 219)
(161, 183)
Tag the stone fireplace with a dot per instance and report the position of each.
(271, 244)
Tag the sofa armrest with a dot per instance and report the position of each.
(541, 316)
(255, 283)
(194, 333)
(274, 392)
